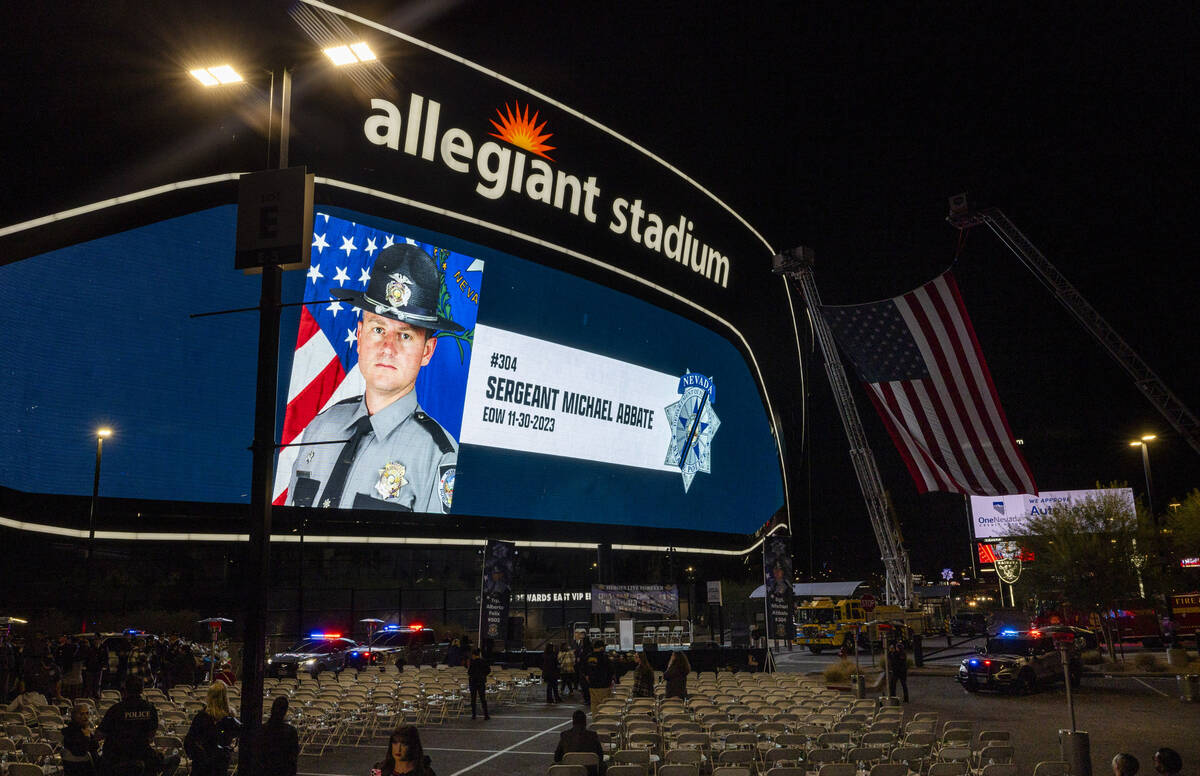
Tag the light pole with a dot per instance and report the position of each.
(1144, 444)
(264, 441)
(88, 614)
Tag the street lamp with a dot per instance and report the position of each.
(88, 614)
(1144, 444)
(263, 445)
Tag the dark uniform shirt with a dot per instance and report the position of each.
(406, 462)
(127, 729)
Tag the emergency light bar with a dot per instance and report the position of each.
(324, 635)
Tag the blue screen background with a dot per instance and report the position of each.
(99, 334)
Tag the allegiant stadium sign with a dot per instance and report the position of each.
(520, 166)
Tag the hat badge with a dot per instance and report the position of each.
(399, 290)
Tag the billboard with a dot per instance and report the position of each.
(543, 396)
(997, 517)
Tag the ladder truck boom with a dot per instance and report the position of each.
(797, 264)
(1177, 414)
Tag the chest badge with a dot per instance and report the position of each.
(391, 480)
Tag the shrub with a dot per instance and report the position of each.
(1091, 657)
(840, 671)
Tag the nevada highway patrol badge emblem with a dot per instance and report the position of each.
(446, 487)
(391, 480)
(694, 423)
(399, 290)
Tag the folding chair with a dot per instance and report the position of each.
(566, 770)
(586, 759)
(999, 769)
(837, 769)
(679, 769)
(948, 769)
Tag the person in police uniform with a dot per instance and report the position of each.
(394, 456)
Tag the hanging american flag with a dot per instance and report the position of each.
(924, 370)
(323, 364)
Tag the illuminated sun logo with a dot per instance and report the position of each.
(522, 131)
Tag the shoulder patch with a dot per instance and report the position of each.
(351, 400)
(435, 430)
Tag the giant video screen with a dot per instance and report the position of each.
(423, 374)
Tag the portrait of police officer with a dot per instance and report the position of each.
(394, 455)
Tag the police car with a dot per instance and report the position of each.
(319, 652)
(1019, 662)
(415, 644)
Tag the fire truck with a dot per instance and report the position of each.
(1185, 611)
(824, 623)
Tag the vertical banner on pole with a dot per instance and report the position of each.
(777, 571)
(496, 592)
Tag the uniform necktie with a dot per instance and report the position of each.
(337, 478)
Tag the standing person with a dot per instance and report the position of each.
(550, 674)
(396, 456)
(454, 654)
(405, 754)
(279, 746)
(676, 676)
(209, 741)
(643, 678)
(897, 658)
(477, 674)
(128, 730)
(598, 670)
(580, 664)
(580, 739)
(95, 661)
(566, 668)
(8, 665)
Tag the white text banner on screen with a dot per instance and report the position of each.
(998, 517)
(534, 396)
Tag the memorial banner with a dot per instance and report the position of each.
(496, 592)
(777, 571)
(636, 599)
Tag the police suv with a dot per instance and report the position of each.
(1018, 661)
(319, 652)
(414, 644)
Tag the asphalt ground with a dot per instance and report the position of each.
(1131, 714)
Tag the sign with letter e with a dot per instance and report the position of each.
(274, 224)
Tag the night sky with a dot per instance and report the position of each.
(841, 129)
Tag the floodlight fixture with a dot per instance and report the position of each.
(104, 433)
(362, 51)
(216, 76)
(351, 54)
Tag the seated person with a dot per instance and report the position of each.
(80, 745)
(580, 739)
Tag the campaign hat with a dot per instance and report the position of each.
(404, 286)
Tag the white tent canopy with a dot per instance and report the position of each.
(814, 589)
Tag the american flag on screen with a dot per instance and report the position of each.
(326, 354)
(924, 370)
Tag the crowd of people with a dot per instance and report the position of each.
(80, 666)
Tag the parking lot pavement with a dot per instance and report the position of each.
(517, 740)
